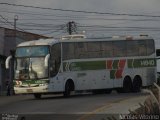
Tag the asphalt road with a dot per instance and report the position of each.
(79, 107)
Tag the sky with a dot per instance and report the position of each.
(122, 17)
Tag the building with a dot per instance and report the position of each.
(9, 38)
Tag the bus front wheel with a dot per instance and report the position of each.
(68, 88)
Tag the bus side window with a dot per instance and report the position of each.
(55, 60)
(81, 50)
(119, 48)
(94, 50)
(142, 48)
(150, 47)
(106, 49)
(68, 51)
(132, 48)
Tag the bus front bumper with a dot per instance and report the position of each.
(26, 90)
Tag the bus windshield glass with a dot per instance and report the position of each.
(32, 51)
(30, 68)
(29, 62)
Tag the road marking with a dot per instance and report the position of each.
(96, 111)
(90, 114)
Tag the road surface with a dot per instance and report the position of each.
(80, 107)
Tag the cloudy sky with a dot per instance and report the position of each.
(121, 17)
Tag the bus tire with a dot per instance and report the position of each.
(37, 96)
(127, 85)
(137, 84)
(68, 88)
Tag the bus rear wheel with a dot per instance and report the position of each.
(37, 96)
(127, 85)
(137, 84)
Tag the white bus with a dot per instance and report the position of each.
(75, 64)
(158, 65)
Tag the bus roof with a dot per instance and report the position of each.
(38, 42)
(53, 41)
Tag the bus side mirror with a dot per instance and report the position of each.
(8, 61)
(46, 60)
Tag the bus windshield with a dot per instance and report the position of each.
(30, 68)
(29, 62)
(32, 51)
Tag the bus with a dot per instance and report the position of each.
(45, 66)
(158, 65)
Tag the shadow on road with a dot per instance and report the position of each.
(86, 95)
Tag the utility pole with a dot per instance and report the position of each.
(11, 70)
(15, 20)
(15, 25)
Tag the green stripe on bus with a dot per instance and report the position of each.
(98, 65)
(115, 64)
(32, 81)
(87, 65)
(130, 63)
(112, 74)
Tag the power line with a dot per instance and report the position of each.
(80, 11)
(40, 25)
(41, 14)
(108, 19)
(51, 32)
(6, 21)
(43, 28)
(73, 16)
(27, 13)
(99, 26)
